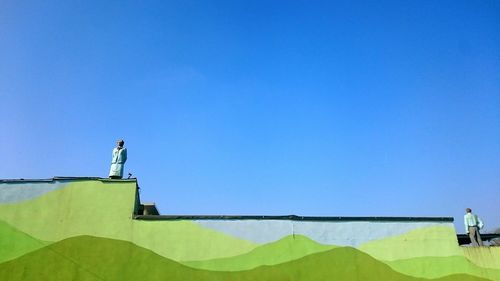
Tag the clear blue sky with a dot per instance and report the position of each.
(327, 108)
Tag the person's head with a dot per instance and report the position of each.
(468, 210)
(120, 143)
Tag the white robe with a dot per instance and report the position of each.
(118, 159)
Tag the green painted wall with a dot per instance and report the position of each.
(84, 230)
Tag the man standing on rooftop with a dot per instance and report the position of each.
(472, 225)
(118, 159)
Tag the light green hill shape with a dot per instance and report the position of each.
(286, 249)
(14, 243)
(88, 258)
(80, 208)
(434, 241)
(186, 240)
(488, 257)
(104, 209)
(434, 267)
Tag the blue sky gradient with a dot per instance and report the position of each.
(328, 108)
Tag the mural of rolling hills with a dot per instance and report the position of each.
(85, 229)
(104, 209)
(90, 258)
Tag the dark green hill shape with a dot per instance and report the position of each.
(15, 243)
(86, 258)
(284, 250)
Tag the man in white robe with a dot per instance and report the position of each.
(118, 159)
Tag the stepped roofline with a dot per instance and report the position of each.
(153, 214)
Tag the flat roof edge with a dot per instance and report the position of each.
(66, 179)
(292, 217)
